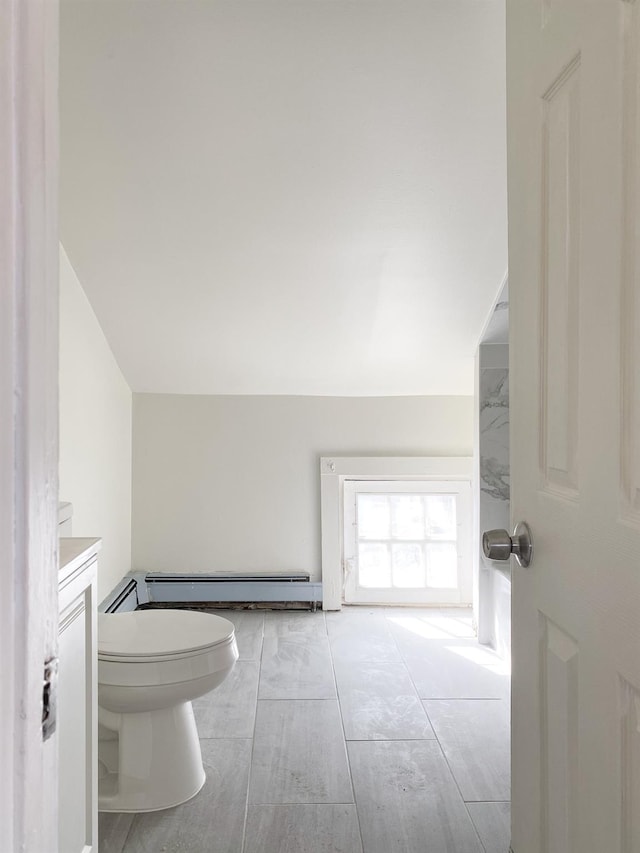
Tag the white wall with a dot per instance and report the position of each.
(95, 432)
(232, 483)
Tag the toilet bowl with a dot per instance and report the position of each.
(151, 664)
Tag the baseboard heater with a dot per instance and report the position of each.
(123, 598)
(273, 589)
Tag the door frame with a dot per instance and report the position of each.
(334, 470)
(29, 424)
(492, 578)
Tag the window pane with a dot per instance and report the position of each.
(373, 517)
(442, 565)
(441, 516)
(407, 517)
(408, 566)
(374, 566)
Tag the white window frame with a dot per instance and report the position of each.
(335, 470)
(461, 594)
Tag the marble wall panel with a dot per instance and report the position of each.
(494, 448)
(494, 491)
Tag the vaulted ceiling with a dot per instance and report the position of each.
(286, 196)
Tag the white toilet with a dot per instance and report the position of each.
(151, 664)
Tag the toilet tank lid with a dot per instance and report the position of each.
(160, 632)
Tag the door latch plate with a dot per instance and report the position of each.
(49, 698)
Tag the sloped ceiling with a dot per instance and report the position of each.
(300, 197)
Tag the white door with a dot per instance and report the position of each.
(407, 542)
(574, 238)
(28, 418)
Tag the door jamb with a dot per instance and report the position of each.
(29, 423)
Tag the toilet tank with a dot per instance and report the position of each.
(65, 513)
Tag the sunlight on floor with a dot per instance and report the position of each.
(435, 627)
(483, 657)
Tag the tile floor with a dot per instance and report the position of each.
(372, 730)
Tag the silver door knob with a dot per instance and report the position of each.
(498, 545)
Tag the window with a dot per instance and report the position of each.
(407, 542)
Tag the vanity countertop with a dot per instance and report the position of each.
(75, 551)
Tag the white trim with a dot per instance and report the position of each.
(78, 690)
(334, 470)
(29, 423)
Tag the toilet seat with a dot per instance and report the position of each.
(160, 647)
(145, 636)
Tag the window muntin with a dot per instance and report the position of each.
(406, 541)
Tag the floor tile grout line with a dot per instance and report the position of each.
(297, 699)
(482, 844)
(453, 776)
(253, 741)
(404, 659)
(408, 671)
(126, 838)
(306, 699)
(485, 803)
(390, 739)
(305, 803)
(302, 638)
(442, 752)
(353, 787)
(461, 699)
(455, 781)
(488, 802)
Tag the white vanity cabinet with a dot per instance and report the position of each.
(77, 696)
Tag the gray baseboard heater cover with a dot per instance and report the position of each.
(277, 588)
(123, 598)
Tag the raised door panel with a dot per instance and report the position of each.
(559, 680)
(630, 766)
(560, 282)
